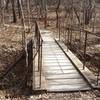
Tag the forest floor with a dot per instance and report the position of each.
(52, 96)
(10, 45)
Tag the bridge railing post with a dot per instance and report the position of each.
(30, 63)
(38, 54)
(85, 46)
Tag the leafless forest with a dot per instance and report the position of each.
(74, 22)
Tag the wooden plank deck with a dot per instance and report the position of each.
(88, 75)
(59, 72)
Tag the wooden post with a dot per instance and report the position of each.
(39, 58)
(98, 76)
(70, 36)
(85, 45)
(68, 39)
(59, 29)
(98, 73)
(33, 78)
(31, 60)
(40, 63)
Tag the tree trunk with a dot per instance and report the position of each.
(13, 9)
(19, 10)
(44, 3)
(57, 16)
(57, 19)
(7, 4)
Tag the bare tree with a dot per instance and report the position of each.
(57, 15)
(13, 9)
(7, 2)
(45, 12)
(19, 9)
(88, 11)
(2, 11)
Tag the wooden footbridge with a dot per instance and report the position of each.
(58, 69)
(51, 66)
(59, 72)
